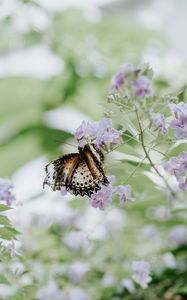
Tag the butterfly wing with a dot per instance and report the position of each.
(82, 181)
(59, 171)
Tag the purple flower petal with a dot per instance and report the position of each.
(142, 87)
(102, 198)
(159, 121)
(123, 192)
(6, 192)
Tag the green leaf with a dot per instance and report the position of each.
(4, 220)
(7, 233)
(182, 290)
(4, 207)
(3, 279)
(182, 94)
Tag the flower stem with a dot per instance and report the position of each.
(149, 158)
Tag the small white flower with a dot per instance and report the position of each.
(76, 240)
(108, 280)
(50, 291)
(141, 271)
(178, 234)
(169, 260)
(77, 270)
(128, 284)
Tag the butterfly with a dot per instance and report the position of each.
(80, 173)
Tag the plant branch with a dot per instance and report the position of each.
(148, 157)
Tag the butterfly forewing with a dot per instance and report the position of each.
(81, 173)
(59, 171)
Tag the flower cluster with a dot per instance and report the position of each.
(141, 270)
(6, 192)
(179, 123)
(103, 197)
(159, 122)
(177, 166)
(133, 78)
(100, 133)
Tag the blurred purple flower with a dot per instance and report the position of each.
(6, 192)
(178, 234)
(119, 78)
(159, 122)
(179, 124)
(177, 166)
(128, 284)
(76, 240)
(111, 178)
(50, 291)
(180, 128)
(123, 192)
(142, 87)
(102, 198)
(178, 110)
(141, 270)
(183, 161)
(172, 166)
(63, 191)
(12, 248)
(162, 213)
(77, 270)
(108, 280)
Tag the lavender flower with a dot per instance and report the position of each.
(119, 78)
(159, 122)
(178, 110)
(177, 166)
(179, 123)
(77, 270)
(6, 192)
(106, 134)
(123, 192)
(85, 130)
(141, 270)
(102, 198)
(172, 167)
(99, 133)
(142, 87)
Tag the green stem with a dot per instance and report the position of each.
(148, 157)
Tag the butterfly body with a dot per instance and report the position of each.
(80, 173)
